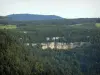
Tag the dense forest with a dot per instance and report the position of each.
(18, 59)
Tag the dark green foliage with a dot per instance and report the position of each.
(16, 60)
(12, 57)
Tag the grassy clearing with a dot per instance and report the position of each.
(98, 25)
(8, 27)
(83, 26)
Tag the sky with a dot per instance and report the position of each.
(63, 8)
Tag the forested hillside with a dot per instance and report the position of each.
(50, 21)
(19, 57)
(19, 60)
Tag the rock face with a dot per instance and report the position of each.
(53, 45)
(60, 45)
(65, 46)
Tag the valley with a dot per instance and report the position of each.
(53, 47)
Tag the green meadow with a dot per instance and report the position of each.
(8, 26)
(98, 25)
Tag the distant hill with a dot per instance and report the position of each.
(29, 17)
(33, 19)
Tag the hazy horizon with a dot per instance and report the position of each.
(62, 8)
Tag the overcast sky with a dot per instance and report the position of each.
(63, 8)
